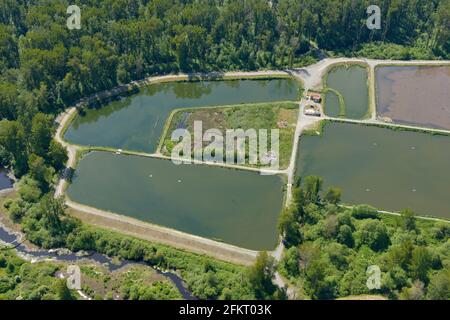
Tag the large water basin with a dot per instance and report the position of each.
(136, 123)
(391, 170)
(234, 206)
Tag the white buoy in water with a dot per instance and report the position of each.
(179, 181)
(413, 148)
(414, 190)
(367, 190)
(150, 176)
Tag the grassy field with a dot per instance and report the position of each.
(281, 115)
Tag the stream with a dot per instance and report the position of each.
(5, 181)
(14, 239)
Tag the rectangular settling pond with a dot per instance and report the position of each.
(390, 170)
(414, 95)
(234, 206)
(136, 123)
(351, 83)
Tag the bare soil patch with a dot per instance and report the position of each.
(414, 95)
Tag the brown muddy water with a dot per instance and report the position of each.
(414, 95)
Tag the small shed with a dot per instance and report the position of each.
(316, 98)
(312, 111)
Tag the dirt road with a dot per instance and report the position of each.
(63, 120)
(158, 234)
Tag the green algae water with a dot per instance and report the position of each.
(136, 123)
(233, 206)
(332, 104)
(390, 170)
(351, 83)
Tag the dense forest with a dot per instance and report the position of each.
(329, 249)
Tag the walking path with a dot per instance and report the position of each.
(303, 123)
(63, 120)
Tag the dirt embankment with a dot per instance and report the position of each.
(158, 234)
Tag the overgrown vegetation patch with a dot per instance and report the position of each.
(281, 116)
(330, 247)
